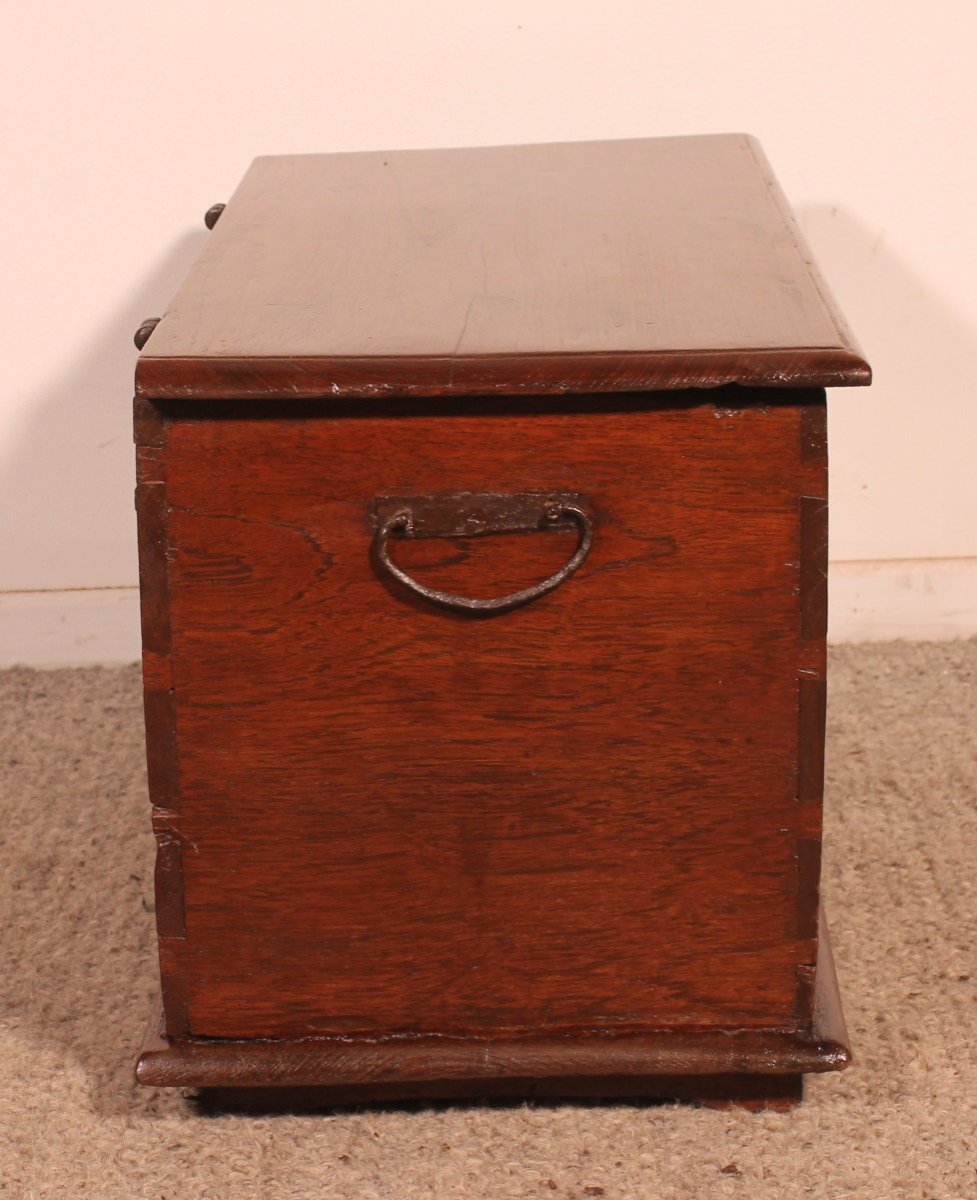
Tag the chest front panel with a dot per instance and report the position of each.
(584, 813)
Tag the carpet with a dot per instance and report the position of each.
(77, 979)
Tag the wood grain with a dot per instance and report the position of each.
(571, 849)
(161, 740)
(651, 264)
(355, 1062)
(582, 815)
(611, 1065)
(811, 679)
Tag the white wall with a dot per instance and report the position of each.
(130, 120)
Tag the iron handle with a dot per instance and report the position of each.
(144, 332)
(403, 520)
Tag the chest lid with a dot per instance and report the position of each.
(640, 265)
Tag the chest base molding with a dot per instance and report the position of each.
(759, 1068)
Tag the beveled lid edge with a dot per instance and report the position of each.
(272, 379)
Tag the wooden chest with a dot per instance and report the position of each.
(482, 509)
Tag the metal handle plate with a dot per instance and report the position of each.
(472, 514)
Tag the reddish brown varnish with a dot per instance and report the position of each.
(652, 264)
(407, 852)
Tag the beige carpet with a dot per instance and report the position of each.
(77, 978)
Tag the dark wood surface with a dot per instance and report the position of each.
(599, 812)
(651, 1064)
(584, 267)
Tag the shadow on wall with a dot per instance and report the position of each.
(66, 490)
(902, 478)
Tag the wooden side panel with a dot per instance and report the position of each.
(811, 686)
(584, 814)
(711, 1065)
(162, 751)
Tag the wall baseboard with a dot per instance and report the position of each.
(917, 599)
(77, 628)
